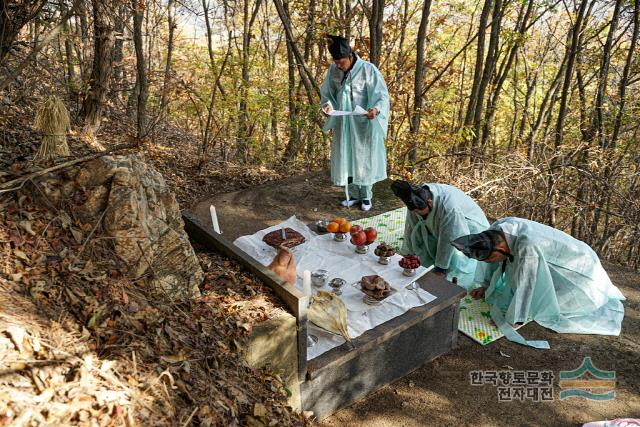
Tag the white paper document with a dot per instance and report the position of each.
(358, 111)
(328, 109)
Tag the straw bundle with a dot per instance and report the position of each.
(52, 119)
(329, 312)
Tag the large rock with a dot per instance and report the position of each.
(141, 216)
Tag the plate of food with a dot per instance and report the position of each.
(287, 237)
(375, 289)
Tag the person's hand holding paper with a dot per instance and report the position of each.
(327, 108)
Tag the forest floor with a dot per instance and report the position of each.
(439, 392)
(249, 198)
(80, 342)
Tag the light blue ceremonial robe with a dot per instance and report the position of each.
(454, 214)
(554, 279)
(357, 147)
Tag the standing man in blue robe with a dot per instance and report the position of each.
(358, 154)
(536, 272)
(436, 215)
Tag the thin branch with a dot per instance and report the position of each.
(48, 38)
(20, 181)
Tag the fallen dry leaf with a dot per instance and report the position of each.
(259, 410)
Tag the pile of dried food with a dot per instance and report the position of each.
(384, 250)
(375, 286)
(287, 237)
(409, 262)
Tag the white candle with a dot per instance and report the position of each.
(306, 282)
(214, 219)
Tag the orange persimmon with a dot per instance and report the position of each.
(333, 227)
(345, 227)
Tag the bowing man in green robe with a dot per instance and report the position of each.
(436, 215)
(536, 272)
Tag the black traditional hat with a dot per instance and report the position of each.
(413, 196)
(338, 47)
(480, 246)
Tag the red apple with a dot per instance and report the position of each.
(359, 238)
(371, 233)
(354, 229)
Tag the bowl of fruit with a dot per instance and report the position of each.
(361, 238)
(384, 252)
(339, 227)
(409, 263)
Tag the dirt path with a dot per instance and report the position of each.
(309, 197)
(439, 393)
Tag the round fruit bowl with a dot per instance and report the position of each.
(409, 263)
(409, 272)
(384, 260)
(340, 237)
(384, 252)
(359, 239)
(339, 227)
(321, 226)
(370, 300)
(360, 242)
(362, 249)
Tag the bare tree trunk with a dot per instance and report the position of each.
(414, 125)
(138, 17)
(514, 119)
(597, 128)
(72, 79)
(581, 193)
(624, 81)
(573, 50)
(487, 75)
(243, 151)
(80, 53)
(310, 85)
(348, 16)
(479, 65)
(101, 72)
(207, 130)
(566, 85)
(117, 81)
(505, 68)
(309, 30)
(603, 76)
(463, 73)
(164, 100)
(546, 108)
(531, 85)
(375, 31)
(292, 148)
(403, 34)
(14, 16)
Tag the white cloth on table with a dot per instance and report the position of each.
(341, 260)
